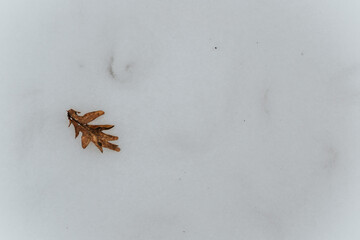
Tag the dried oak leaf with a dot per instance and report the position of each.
(92, 133)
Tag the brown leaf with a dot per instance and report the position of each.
(92, 133)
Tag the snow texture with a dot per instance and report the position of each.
(237, 119)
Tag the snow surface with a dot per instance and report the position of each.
(236, 119)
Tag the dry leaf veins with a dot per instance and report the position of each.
(92, 133)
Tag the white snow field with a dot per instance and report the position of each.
(237, 119)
